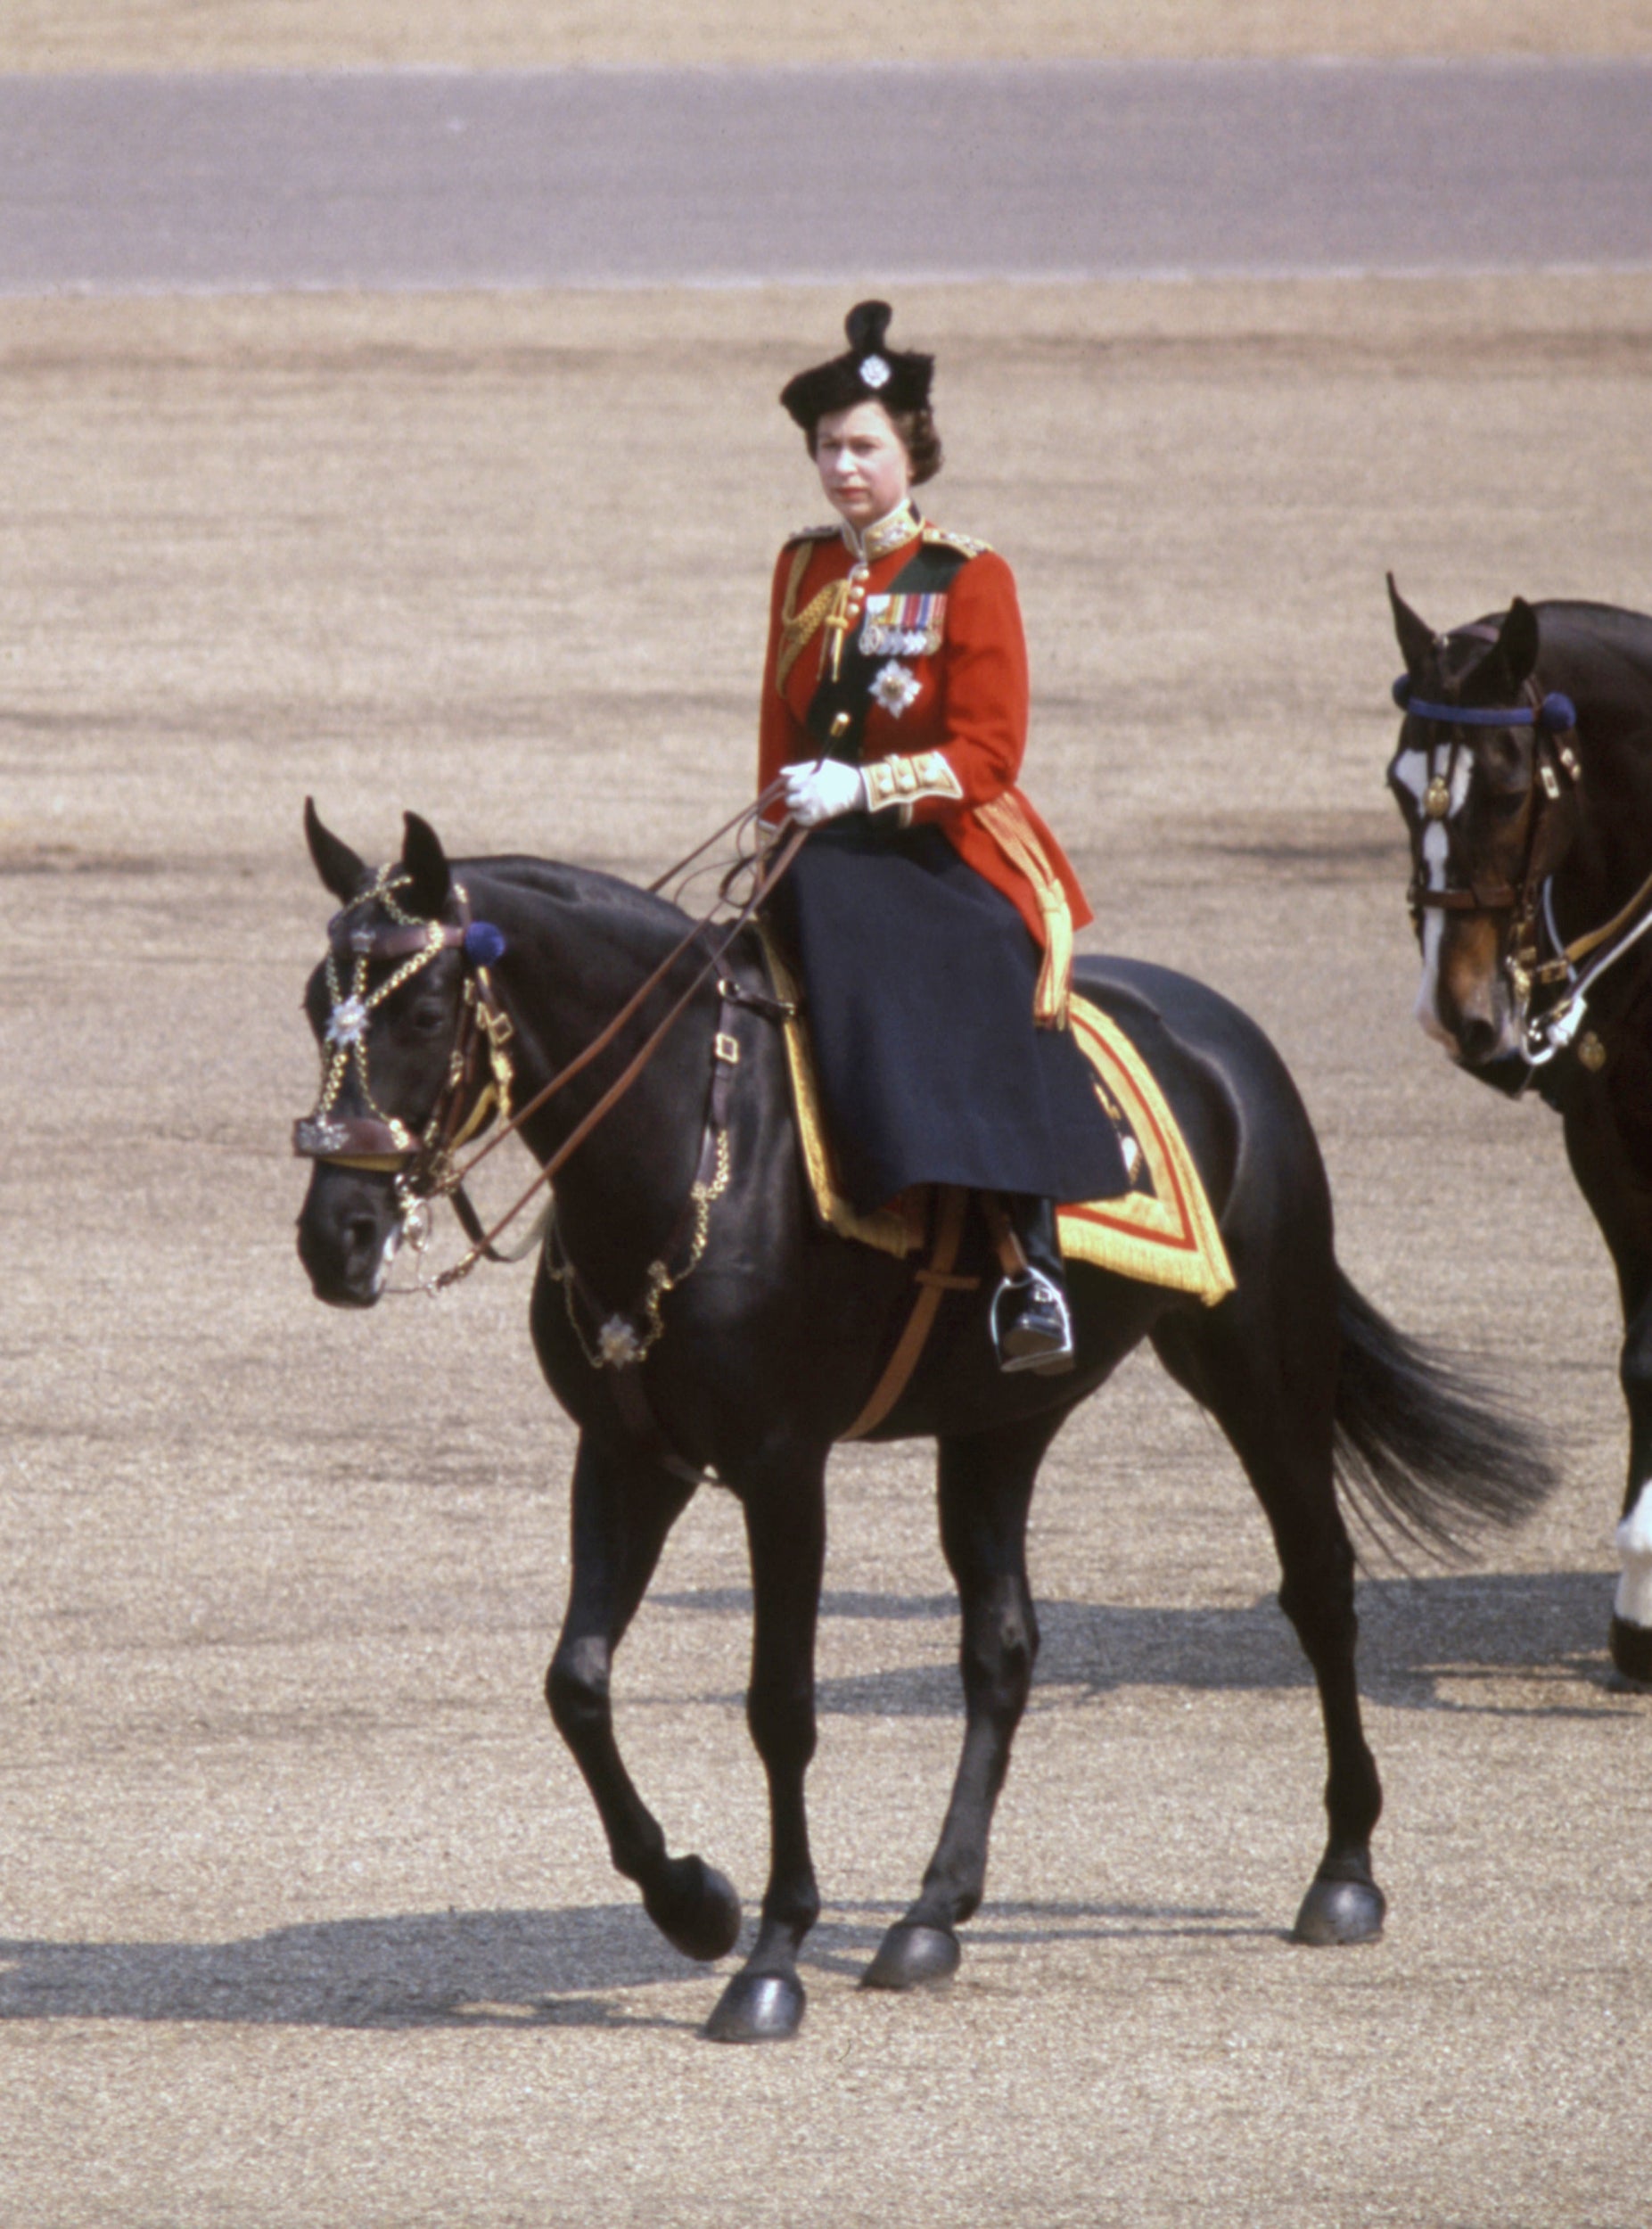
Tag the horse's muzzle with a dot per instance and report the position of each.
(1464, 1001)
(350, 1228)
(1480, 1041)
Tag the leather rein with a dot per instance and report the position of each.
(425, 1166)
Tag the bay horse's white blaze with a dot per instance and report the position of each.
(1634, 1545)
(1412, 769)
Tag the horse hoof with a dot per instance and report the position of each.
(911, 1955)
(1340, 1912)
(1631, 1651)
(758, 2009)
(695, 1909)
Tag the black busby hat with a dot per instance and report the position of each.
(869, 373)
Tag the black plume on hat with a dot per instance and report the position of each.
(869, 372)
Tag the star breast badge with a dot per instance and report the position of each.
(895, 686)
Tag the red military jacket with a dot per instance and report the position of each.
(945, 727)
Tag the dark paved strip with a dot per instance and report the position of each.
(410, 180)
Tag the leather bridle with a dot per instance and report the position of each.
(1554, 773)
(421, 1163)
(425, 1167)
(1550, 994)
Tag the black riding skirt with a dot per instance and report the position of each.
(919, 978)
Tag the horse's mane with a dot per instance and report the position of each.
(587, 887)
(1578, 625)
(1605, 650)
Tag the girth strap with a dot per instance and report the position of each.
(641, 1427)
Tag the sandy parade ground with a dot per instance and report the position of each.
(305, 1916)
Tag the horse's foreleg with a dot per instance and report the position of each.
(785, 1534)
(1280, 1423)
(622, 1510)
(984, 1489)
(1631, 1609)
(1611, 1179)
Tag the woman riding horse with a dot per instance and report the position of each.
(932, 913)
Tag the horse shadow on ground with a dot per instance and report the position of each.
(418, 1969)
(586, 1967)
(1452, 1643)
(1525, 1645)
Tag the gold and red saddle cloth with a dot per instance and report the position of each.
(1162, 1231)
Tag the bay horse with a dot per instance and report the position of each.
(751, 1366)
(1524, 770)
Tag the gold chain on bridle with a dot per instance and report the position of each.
(345, 1035)
(425, 1168)
(617, 1344)
(767, 870)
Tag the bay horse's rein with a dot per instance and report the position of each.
(425, 1167)
(1556, 769)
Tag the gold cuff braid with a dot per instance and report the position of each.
(902, 781)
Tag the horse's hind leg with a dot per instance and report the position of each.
(623, 1508)
(985, 1488)
(1276, 1412)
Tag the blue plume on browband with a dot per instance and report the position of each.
(1556, 713)
(483, 945)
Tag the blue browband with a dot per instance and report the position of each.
(1555, 714)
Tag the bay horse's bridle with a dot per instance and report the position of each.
(1550, 996)
(1555, 775)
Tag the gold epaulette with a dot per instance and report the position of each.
(964, 544)
(812, 534)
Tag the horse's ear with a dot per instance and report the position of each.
(425, 863)
(344, 873)
(1416, 637)
(1508, 662)
(1516, 645)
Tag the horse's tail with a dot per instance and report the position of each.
(1421, 1445)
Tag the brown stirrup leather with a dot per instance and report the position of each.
(932, 1283)
(1006, 1238)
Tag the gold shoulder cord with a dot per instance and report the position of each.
(1008, 826)
(799, 628)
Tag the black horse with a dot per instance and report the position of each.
(761, 1358)
(1525, 773)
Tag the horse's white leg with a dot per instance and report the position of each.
(1632, 1632)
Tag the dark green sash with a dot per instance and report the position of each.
(930, 571)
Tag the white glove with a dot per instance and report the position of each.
(817, 791)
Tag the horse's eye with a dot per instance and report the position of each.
(428, 1018)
